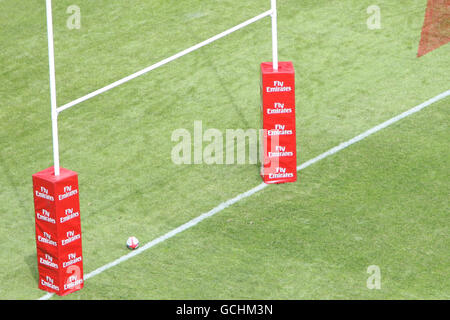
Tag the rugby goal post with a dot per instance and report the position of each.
(55, 110)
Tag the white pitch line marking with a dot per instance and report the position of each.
(260, 187)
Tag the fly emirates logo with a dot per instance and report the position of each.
(280, 151)
(43, 193)
(279, 130)
(70, 237)
(47, 238)
(278, 86)
(48, 261)
(49, 282)
(278, 108)
(45, 216)
(69, 214)
(73, 281)
(281, 173)
(68, 192)
(72, 258)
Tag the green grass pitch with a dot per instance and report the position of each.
(382, 201)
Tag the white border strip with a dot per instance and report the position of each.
(260, 187)
(163, 62)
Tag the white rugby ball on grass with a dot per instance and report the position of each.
(132, 243)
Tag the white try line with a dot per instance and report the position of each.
(260, 187)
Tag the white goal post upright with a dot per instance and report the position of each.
(51, 56)
(51, 63)
(274, 35)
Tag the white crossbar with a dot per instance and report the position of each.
(165, 61)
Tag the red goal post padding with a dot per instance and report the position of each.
(58, 231)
